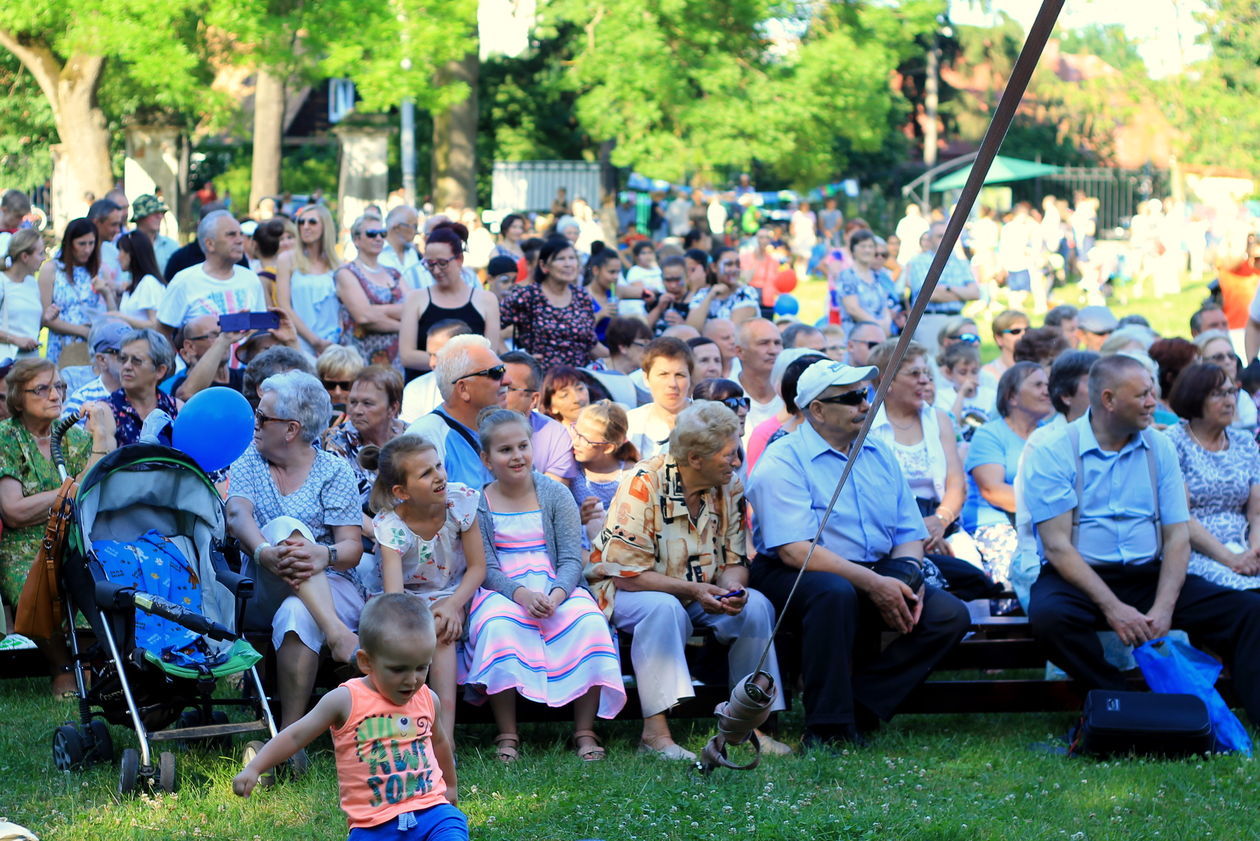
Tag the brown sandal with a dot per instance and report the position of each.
(591, 752)
(507, 748)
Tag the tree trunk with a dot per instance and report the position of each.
(455, 140)
(71, 89)
(264, 176)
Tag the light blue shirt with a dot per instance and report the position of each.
(957, 273)
(794, 480)
(462, 460)
(993, 443)
(1118, 509)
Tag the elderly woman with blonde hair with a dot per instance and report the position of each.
(336, 368)
(673, 557)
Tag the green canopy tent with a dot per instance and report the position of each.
(1003, 169)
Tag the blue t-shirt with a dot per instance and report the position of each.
(993, 443)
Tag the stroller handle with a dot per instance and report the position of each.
(60, 428)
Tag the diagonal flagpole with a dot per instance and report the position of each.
(738, 717)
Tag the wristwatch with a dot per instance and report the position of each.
(258, 550)
(332, 556)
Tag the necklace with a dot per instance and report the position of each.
(1221, 442)
(366, 267)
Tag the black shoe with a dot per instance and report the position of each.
(833, 738)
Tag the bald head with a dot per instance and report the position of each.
(1108, 373)
(722, 332)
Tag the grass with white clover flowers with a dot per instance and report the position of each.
(970, 778)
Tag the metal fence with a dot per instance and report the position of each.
(532, 185)
(1119, 191)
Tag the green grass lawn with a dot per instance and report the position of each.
(969, 778)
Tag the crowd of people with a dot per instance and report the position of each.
(578, 442)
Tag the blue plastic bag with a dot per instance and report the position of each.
(1171, 665)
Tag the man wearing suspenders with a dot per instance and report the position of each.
(1111, 513)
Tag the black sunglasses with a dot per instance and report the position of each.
(375, 233)
(735, 403)
(849, 398)
(344, 385)
(869, 344)
(496, 373)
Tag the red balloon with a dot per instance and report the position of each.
(785, 281)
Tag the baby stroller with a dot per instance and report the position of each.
(144, 562)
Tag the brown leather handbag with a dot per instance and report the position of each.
(39, 612)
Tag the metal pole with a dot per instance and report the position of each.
(409, 150)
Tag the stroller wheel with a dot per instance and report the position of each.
(247, 756)
(98, 737)
(68, 750)
(166, 772)
(128, 772)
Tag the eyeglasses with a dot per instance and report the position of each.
(735, 403)
(916, 373)
(496, 373)
(201, 338)
(438, 265)
(308, 220)
(261, 420)
(639, 343)
(108, 351)
(375, 233)
(512, 388)
(967, 338)
(42, 391)
(1228, 393)
(134, 361)
(329, 385)
(675, 278)
(869, 344)
(1014, 331)
(849, 398)
(589, 442)
(1220, 358)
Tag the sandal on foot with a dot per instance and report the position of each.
(507, 747)
(63, 685)
(671, 751)
(591, 752)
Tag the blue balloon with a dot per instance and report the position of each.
(786, 305)
(215, 427)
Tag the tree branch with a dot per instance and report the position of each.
(40, 61)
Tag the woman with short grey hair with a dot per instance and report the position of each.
(145, 358)
(673, 557)
(296, 512)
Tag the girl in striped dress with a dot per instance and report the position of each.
(533, 627)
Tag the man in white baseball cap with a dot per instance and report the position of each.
(865, 576)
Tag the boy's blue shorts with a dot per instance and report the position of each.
(437, 823)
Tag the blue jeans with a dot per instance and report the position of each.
(442, 822)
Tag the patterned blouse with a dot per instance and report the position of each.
(344, 441)
(432, 568)
(554, 336)
(876, 297)
(79, 304)
(21, 459)
(128, 421)
(745, 297)
(650, 529)
(376, 348)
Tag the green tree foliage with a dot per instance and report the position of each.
(1108, 42)
(1215, 103)
(26, 127)
(690, 87)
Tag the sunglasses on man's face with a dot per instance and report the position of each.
(870, 345)
(849, 398)
(496, 373)
(967, 338)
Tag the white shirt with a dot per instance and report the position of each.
(193, 293)
(419, 397)
(648, 432)
(20, 307)
(145, 295)
(389, 257)
(758, 412)
(651, 279)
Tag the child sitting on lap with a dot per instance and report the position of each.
(375, 719)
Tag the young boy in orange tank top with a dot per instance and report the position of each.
(395, 766)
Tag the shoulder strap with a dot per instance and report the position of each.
(1074, 438)
(1153, 470)
(460, 428)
